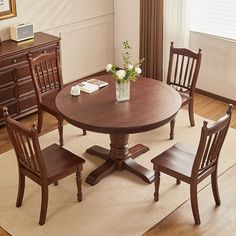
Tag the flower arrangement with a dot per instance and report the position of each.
(129, 72)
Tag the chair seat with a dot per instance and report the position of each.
(59, 162)
(50, 107)
(178, 159)
(48, 102)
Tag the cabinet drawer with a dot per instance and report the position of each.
(27, 103)
(13, 60)
(22, 73)
(8, 94)
(25, 87)
(37, 52)
(6, 78)
(24, 80)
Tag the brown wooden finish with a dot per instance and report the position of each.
(45, 166)
(47, 79)
(152, 105)
(16, 87)
(183, 70)
(191, 166)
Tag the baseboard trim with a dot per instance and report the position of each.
(215, 96)
(96, 74)
(88, 76)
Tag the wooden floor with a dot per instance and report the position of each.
(179, 222)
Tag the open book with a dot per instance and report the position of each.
(88, 87)
(97, 82)
(92, 85)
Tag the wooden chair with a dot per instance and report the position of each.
(47, 79)
(45, 166)
(183, 70)
(184, 164)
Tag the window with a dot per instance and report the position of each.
(214, 17)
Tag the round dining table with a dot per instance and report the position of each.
(152, 104)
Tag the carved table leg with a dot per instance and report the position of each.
(119, 157)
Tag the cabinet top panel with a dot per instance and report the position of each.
(11, 47)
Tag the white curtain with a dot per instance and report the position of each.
(176, 27)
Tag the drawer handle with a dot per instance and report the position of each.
(14, 61)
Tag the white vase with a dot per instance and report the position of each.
(123, 91)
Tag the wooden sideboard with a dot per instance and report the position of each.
(16, 87)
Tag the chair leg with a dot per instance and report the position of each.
(84, 132)
(194, 203)
(157, 185)
(191, 113)
(214, 184)
(172, 127)
(21, 190)
(79, 185)
(60, 129)
(44, 205)
(40, 121)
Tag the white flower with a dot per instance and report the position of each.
(121, 74)
(138, 70)
(108, 67)
(130, 67)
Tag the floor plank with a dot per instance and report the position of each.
(3, 232)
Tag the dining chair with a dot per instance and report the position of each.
(192, 167)
(47, 79)
(45, 166)
(183, 70)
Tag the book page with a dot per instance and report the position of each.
(88, 87)
(99, 83)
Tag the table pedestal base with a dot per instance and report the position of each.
(119, 157)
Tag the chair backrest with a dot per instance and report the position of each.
(183, 69)
(211, 141)
(46, 73)
(26, 146)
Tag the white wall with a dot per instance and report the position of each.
(85, 26)
(126, 25)
(218, 68)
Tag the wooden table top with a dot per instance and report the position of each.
(151, 105)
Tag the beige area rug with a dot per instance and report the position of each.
(120, 205)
